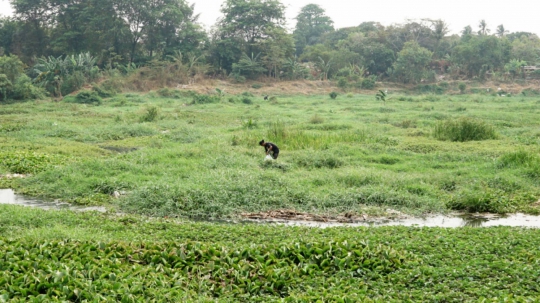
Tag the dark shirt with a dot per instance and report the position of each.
(267, 146)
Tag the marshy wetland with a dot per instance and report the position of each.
(167, 157)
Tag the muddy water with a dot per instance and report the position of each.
(7, 196)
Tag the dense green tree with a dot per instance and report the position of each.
(480, 54)
(276, 50)
(172, 27)
(419, 32)
(136, 30)
(376, 56)
(411, 63)
(332, 39)
(467, 31)
(8, 30)
(33, 35)
(526, 48)
(245, 28)
(311, 24)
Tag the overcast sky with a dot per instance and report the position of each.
(515, 15)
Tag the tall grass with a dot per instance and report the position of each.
(463, 129)
(519, 158)
(295, 138)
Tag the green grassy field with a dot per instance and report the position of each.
(61, 256)
(353, 154)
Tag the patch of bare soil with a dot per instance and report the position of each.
(293, 215)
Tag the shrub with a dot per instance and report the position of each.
(462, 86)
(202, 99)
(150, 115)
(247, 94)
(11, 66)
(333, 95)
(104, 93)
(463, 129)
(342, 82)
(165, 92)
(430, 88)
(368, 83)
(85, 97)
(247, 100)
(24, 89)
(73, 82)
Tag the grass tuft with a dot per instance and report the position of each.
(463, 129)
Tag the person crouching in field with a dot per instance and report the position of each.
(270, 148)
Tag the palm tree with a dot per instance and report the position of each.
(483, 28)
(501, 31)
(440, 29)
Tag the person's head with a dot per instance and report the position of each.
(261, 142)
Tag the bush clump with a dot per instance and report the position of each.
(23, 89)
(368, 83)
(333, 95)
(462, 87)
(151, 114)
(203, 99)
(463, 129)
(85, 97)
(103, 92)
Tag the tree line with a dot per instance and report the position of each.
(250, 41)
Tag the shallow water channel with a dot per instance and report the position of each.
(8, 196)
(451, 221)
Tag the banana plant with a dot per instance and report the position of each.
(381, 96)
